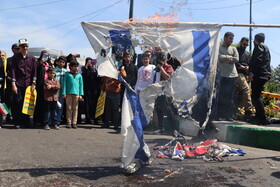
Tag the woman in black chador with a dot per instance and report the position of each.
(91, 89)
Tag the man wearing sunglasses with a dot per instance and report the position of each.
(242, 84)
(23, 75)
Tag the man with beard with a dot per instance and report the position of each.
(260, 73)
(242, 84)
(227, 58)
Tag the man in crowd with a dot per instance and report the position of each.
(8, 90)
(260, 73)
(112, 87)
(227, 58)
(128, 70)
(242, 84)
(163, 104)
(23, 75)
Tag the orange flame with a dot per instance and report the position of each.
(158, 17)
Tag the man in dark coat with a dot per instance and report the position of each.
(260, 73)
(8, 89)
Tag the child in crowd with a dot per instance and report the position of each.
(145, 73)
(50, 99)
(60, 72)
(72, 90)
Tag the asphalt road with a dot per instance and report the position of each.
(90, 156)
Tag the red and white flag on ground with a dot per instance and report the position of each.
(4, 110)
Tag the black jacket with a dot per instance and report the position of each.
(131, 71)
(244, 59)
(260, 62)
(91, 80)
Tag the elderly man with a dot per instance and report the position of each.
(260, 73)
(23, 75)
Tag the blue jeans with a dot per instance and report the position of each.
(225, 100)
(59, 110)
(50, 117)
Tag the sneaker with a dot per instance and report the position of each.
(17, 127)
(56, 127)
(133, 167)
(47, 127)
(74, 126)
(68, 126)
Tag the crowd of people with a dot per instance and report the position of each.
(63, 93)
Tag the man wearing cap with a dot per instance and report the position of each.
(259, 73)
(23, 75)
(8, 90)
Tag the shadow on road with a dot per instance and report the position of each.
(90, 173)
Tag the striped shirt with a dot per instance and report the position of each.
(59, 74)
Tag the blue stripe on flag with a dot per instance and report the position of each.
(201, 57)
(139, 122)
(120, 39)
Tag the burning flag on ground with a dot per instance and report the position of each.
(195, 45)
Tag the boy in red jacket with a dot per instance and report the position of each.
(50, 100)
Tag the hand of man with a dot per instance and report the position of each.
(250, 78)
(33, 87)
(14, 88)
(80, 98)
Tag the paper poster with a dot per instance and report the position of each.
(100, 105)
(29, 101)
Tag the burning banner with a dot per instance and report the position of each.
(195, 45)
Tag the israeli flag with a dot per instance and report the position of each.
(195, 45)
(133, 123)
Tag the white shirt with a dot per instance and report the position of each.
(145, 77)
